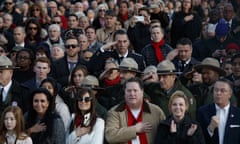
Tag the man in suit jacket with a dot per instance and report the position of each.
(117, 50)
(182, 58)
(61, 68)
(134, 121)
(220, 121)
(12, 93)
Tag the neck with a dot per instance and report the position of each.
(72, 59)
(11, 132)
(178, 118)
(135, 106)
(40, 79)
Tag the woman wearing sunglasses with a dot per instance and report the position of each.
(86, 127)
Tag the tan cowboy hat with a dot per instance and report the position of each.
(166, 67)
(6, 63)
(108, 71)
(92, 82)
(129, 64)
(210, 63)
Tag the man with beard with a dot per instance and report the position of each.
(62, 68)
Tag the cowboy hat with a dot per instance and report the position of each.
(210, 63)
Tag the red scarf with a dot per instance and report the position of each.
(112, 82)
(79, 121)
(132, 121)
(157, 47)
(124, 17)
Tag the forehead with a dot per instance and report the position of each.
(220, 84)
(121, 37)
(71, 41)
(183, 47)
(156, 29)
(9, 114)
(132, 85)
(42, 64)
(40, 96)
(8, 0)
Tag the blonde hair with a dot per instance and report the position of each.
(178, 94)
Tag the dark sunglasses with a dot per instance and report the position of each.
(56, 22)
(70, 46)
(102, 10)
(8, 3)
(32, 28)
(86, 99)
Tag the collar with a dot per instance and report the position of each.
(7, 87)
(188, 61)
(122, 106)
(125, 55)
(226, 108)
(21, 44)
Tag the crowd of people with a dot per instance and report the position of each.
(120, 71)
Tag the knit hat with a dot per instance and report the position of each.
(221, 28)
(232, 46)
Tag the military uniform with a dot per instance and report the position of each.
(161, 98)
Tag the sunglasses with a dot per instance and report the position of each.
(70, 46)
(32, 28)
(86, 99)
(56, 22)
(102, 10)
(8, 3)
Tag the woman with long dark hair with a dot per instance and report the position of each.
(42, 123)
(86, 127)
(61, 108)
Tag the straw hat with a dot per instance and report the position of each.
(91, 81)
(166, 67)
(129, 64)
(6, 63)
(210, 63)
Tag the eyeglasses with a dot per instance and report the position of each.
(71, 46)
(8, 3)
(2, 51)
(36, 10)
(32, 28)
(23, 58)
(222, 90)
(86, 99)
(56, 22)
(102, 10)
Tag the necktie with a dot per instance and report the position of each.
(182, 66)
(221, 126)
(120, 59)
(1, 95)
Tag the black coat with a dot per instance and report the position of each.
(232, 129)
(17, 94)
(180, 28)
(60, 71)
(164, 136)
(139, 36)
(97, 62)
